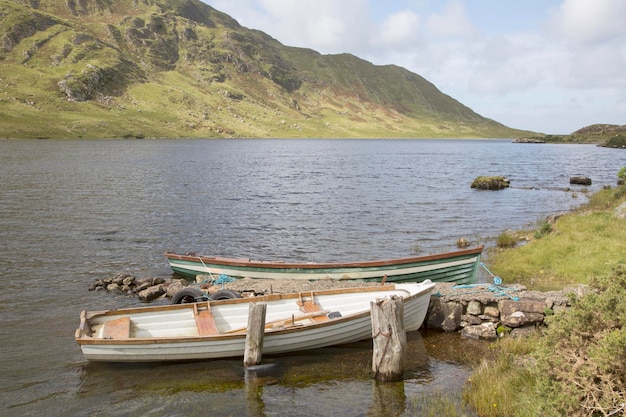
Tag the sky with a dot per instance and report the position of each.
(550, 66)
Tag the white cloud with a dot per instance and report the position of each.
(327, 26)
(553, 78)
(592, 36)
(452, 22)
(592, 20)
(600, 67)
(400, 29)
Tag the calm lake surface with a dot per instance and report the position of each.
(76, 211)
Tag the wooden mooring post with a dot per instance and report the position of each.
(389, 338)
(254, 335)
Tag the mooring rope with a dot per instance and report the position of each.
(498, 290)
(495, 287)
(223, 279)
(205, 267)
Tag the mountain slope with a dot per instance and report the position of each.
(179, 68)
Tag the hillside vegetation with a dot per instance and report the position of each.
(179, 68)
(607, 135)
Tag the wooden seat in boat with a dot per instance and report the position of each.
(116, 329)
(205, 322)
(309, 306)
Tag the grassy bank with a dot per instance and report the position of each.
(577, 365)
(578, 246)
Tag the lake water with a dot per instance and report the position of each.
(76, 211)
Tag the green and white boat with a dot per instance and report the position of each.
(460, 267)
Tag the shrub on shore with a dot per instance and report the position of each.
(575, 368)
(581, 359)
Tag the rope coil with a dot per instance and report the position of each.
(223, 279)
(494, 288)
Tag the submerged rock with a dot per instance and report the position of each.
(580, 180)
(481, 331)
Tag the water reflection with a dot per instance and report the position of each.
(330, 381)
(388, 399)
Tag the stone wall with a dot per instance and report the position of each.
(487, 311)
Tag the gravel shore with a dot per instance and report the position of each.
(484, 293)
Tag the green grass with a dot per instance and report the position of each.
(579, 246)
(435, 404)
(505, 386)
(507, 239)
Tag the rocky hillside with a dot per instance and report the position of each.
(607, 135)
(601, 130)
(610, 136)
(149, 68)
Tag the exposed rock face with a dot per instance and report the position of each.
(95, 81)
(27, 28)
(85, 7)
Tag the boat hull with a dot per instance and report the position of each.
(170, 333)
(460, 267)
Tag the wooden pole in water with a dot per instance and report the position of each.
(254, 335)
(389, 338)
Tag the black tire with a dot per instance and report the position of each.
(225, 295)
(188, 295)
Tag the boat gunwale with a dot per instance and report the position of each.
(259, 298)
(83, 339)
(222, 336)
(249, 263)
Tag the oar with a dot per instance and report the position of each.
(284, 322)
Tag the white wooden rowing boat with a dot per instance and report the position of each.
(217, 329)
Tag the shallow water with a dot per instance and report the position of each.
(76, 211)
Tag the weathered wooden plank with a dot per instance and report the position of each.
(283, 323)
(206, 322)
(117, 329)
(309, 306)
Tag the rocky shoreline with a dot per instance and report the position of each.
(479, 311)
(489, 311)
